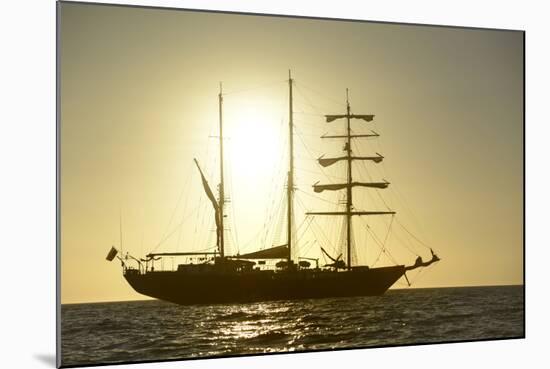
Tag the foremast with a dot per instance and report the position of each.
(348, 186)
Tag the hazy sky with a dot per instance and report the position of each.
(139, 101)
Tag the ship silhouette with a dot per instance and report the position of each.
(222, 278)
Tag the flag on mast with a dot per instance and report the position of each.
(112, 253)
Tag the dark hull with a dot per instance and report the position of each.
(187, 288)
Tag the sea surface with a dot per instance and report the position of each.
(155, 330)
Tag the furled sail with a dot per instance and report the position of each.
(329, 161)
(333, 117)
(277, 252)
(325, 162)
(350, 213)
(340, 186)
(373, 134)
(213, 200)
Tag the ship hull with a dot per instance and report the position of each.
(210, 287)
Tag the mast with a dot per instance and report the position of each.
(290, 183)
(349, 192)
(348, 186)
(221, 200)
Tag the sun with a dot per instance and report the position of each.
(255, 143)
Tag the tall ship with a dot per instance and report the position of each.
(223, 278)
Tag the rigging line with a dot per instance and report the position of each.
(305, 229)
(412, 235)
(368, 194)
(398, 238)
(268, 224)
(333, 100)
(175, 229)
(407, 207)
(247, 243)
(176, 207)
(426, 269)
(254, 88)
(419, 274)
(406, 244)
(307, 103)
(362, 168)
(326, 242)
(319, 173)
(409, 247)
(268, 215)
(179, 239)
(315, 135)
(385, 239)
(319, 124)
(303, 246)
(379, 243)
(309, 152)
(273, 189)
(199, 224)
(318, 198)
(308, 113)
(309, 245)
(234, 232)
(398, 194)
(380, 149)
(300, 203)
(309, 148)
(304, 220)
(185, 206)
(374, 236)
(276, 233)
(208, 240)
(318, 109)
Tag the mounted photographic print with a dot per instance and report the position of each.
(236, 184)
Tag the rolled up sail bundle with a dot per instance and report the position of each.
(325, 162)
(365, 117)
(212, 198)
(340, 186)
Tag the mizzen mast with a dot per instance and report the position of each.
(348, 186)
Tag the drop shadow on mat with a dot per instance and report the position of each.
(48, 359)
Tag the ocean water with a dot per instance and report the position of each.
(156, 330)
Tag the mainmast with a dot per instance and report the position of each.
(348, 186)
(221, 200)
(290, 183)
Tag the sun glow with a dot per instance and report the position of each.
(256, 144)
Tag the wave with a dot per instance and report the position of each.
(238, 316)
(268, 337)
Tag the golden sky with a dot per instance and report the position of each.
(139, 101)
